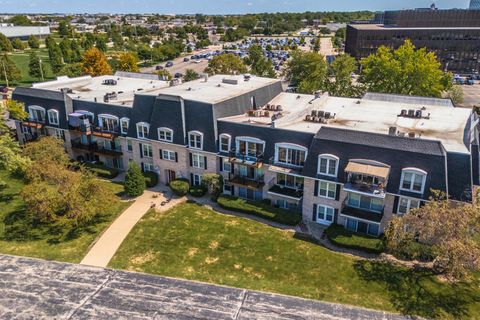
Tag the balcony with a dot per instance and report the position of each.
(296, 194)
(83, 129)
(254, 160)
(367, 178)
(361, 213)
(33, 124)
(106, 134)
(94, 147)
(252, 183)
(365, 188)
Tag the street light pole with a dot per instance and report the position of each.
(5, 72)
(41, 69)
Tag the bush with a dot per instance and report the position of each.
(134, 184)
(180, 187)
(259, 209)
(151, 178)
(197, 191)
(342, 237)
(100, 170)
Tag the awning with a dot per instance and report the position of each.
(377, 171)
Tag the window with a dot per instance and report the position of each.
(227, 188)
(53, 117)
(59, 134)
(290, 154)
(198, 161)
(250, 147)
(226, 165)
(168, 155)
(129, 145)
(196, 179)
(249, 194)
(362, 226)
(165, 134)
(328, 165)
(36, 113)
(195, 140)
(289, 181)
(413, 180)
(364, 202)
(124, 122)
(406, 204)
(224, 144)
(142, 130)
(327, 189)
(147, 150)
(90, 115)
(108, 122)
(325, 214)
(148, 167)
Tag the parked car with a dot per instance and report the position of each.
(186, 59)
(169, 64)
(197, 61)
(178, 75)
(3, 89)
(158, 68)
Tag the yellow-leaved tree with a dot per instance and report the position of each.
(94, 63)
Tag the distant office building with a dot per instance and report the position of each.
(474, 4)
(454, 35)
(24, 32)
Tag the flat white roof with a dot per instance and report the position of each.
(373, 113)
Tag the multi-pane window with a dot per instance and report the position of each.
(168, 155)
(413, 180)
(108, 123)
(36, 113)
(289, 181)
(227, 166)
(147, 150)
(129, 145)
(406, 204)
(148, 167)
(196, 179)
(198, 161)
(250, 148)
(364, 202)
(142, 130)
(165, 134)
(124, 122)
(327, 165)
(291, 156)
(224, 142)
(53, 117)
(195, 140)
(327, 189)
(325, 213)
(59, 134)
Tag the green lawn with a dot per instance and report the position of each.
(192, 242)
(19, 237)
(21, 59)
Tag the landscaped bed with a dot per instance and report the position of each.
(190, 241)
(342, 237)
(260, 209)
(18, 236)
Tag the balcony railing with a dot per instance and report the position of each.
(361, 213)
(94, 147)
(365, 188)
(87, 130)
(247, 159)
(107, 134)
(252, 183)
(33, 124)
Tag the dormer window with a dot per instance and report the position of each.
(142, 130)
(53, 117)
(36, 113)
(290, 154)
(165, 134)
(413, 180)
(108, 122)
(224, 144)
(124, 123)
(195, 140)
(328, 165)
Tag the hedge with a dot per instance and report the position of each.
(101, 170)
(197, 191)
(342, 237)
(180, 187)
(259, 209)
(151, 179)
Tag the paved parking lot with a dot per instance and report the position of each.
(471, 95)
(38, 289)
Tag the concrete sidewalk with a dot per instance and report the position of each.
(105, 247)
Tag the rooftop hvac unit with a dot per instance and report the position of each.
(109, 82)
(321, 113)
(327, 115)
(230, 81)
(411, 134)
(392, 131)
(411, 113)
(403, 113)
(308, 117)
(314, 113)
(418, 114)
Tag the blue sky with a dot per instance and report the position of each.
(213, 6)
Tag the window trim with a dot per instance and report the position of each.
(328, 157)
(326, 207)
(53, 111)
(124, 119)
(198, 133)
(200, 156)
(166, 130)
(107, 116)
(326, 196)
(409, 206)
(249, 140)
(229, 137)
(414, 171)
(38, 108)
(144, 147)
(169, 152)
(293, 146)
(144, 124)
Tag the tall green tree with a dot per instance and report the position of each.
(65, 29)
(10, 152)
(18, 44)
(340, 81)
(66, 48)
(56, 57)
(134, 183)
(33, 42)
(404, 71)
(226, 63)
(259, 64)
(9, 71)
(190, 75)
(5, 44)
(36, 68)
(307, 71)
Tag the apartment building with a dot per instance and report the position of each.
(355, 162)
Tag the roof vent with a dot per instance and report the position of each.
(247, 77)
(109, 82)
(230, 81)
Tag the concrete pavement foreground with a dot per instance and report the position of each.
(105, 247)
(38, 289)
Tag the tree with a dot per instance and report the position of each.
(18, 44)
(10, 151)
(71, 70)
(64, 29)
(134, 184)
(213, 182)
(441, 231)
(33, 42)
(165, 75)
(95, 63)
(456, 94)
(66, 48)
(404, 71)
(190, 75)
(307, 71)
(9, 71)
(101, 43)
(340, 82)
(55, 56)
(259, 64)
(226, 63)
(35, 68)
(5, 44)
(128, 62)
(325, 30)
